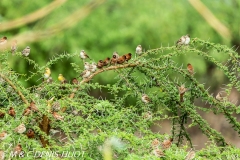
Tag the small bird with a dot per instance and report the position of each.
(2, 155)
(114, 59)
(18, 149)
(3, 135)
(56, 106)
(139, 49)
(190, 155)
(11, 112)
(147, 115)
(75, 112)
(53, 131)
(106, 61)
(190, 69)
(14, 46)
(155, 143)
(86, 65)
(57, 116)
(3, 40)
(181, 41)
(85, 74)
(121, 59)
(100, 64)
(62, 79)
(30, 133)
(49, 80)
(83, 55)
(187, 39)
(74, 81)
(219, 97)
(167, 143)
(145, 98)
(33, 106)
(26, 112)
(2, 114)
(128, 56)
(26, 51)
(158, 152)
(116, 54)
(20, 129)
(93, 67)
(182, 89)
(47, 73)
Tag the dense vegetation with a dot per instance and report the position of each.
(104, 115)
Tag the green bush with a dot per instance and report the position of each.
(96, 127)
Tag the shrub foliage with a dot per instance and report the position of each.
(92, 127)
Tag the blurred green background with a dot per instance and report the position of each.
(101, 27)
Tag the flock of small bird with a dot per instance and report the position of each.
(88, 69)
(92, 67)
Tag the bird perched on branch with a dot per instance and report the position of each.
(114, 59)
(155, 143)
(47, 73)
(139, 49)
(167, 143)
(184, 40)
(57, 116)
(145, 98)
(2, 155)
(93, 67)
(121, 59)
(190, 69)
(86, 65)
(20, 129)
(2, 114)
(187, 39)
(26, 51)
(33, 107)
(26, 112)
(220, 96)
(85, 74)
(3, 135)
(30, 133)
(181, 41)
(158, 152)
(74, 81)
(49, 80)
(106, 61)
(83, 55)
(115, 53)
(14, 46)
(62, 79)
(18, 150)
(3, 40)
(182, 91)
(190, 155)
(128, 56)
(100, 64)
(11, 112)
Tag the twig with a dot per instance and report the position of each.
(45, 127)
(109, 68)
(15, 88)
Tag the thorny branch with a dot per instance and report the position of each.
(15, 88)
